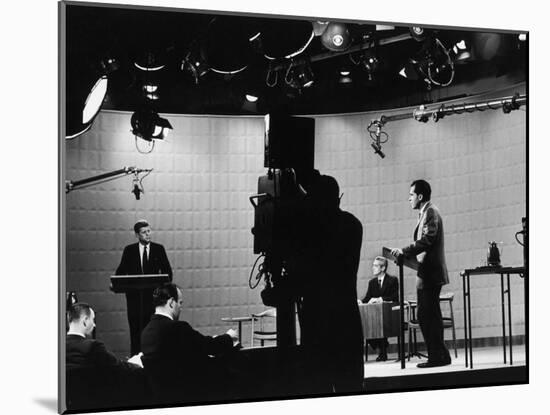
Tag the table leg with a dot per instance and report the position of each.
(503, 316)
(240, 332)
(509, 315)
(464, 294)
(470, 345)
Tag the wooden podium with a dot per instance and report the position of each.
(125, 283)
(410, 263)
(379, 320)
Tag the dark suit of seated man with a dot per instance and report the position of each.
(92, 371)
(179, 361)
(383, 287)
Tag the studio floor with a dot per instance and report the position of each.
(488, 369)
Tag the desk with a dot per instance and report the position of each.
(502, 271)
(240, 321)
(379, 320)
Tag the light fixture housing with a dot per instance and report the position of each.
(86, 94)
(148, 125)
(300, 75)
(336, 37)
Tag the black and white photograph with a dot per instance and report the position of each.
(281, 208)
(269, 207)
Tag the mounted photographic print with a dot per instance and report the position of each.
(259, 207)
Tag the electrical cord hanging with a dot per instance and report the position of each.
(152, 146)
(259, 275)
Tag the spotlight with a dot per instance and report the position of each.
(94, 100)
(195, 63)
(85, 94)
(369, 61)
(285, 38)
(149, 61)
(151, 91)
(460, 52)
(336, 37)
(433, 64)
(299, 76)
(345, 75)
(148, 125)
(418, 33)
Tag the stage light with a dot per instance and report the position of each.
(299, 76)
(418, 33)
(336, 37)
(150, 61)
(94, 100)
(151, 92)
(195, 63)
(86, 93)
(285, 39)
(433, 63)
(148, 125)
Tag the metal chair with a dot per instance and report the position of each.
(267, 330)
(448, 322)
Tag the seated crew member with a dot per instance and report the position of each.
(82, 351)
(178, 359)
(383, 287)
(143, 257)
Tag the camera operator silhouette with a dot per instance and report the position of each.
(326, 269)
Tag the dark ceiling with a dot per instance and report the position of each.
(166, 37)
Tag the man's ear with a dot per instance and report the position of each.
(420, 197)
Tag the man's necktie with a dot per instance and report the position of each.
(144, 260)
(380, 283)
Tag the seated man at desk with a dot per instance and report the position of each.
(83, 351)
(179, 361)
(95, 376)
(382, 287)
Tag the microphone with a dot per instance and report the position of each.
(378, 149)
(136, 190)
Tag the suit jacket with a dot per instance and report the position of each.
(130, 263)
(88, 353)
(429, 247)
(388, 292)
(178, 358)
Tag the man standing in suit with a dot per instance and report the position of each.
(178, 359)
(383, 287)
(143, 257)
(84, 352)
(429, 249)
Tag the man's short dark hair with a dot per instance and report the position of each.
(162, 294)
(140, 224)
(422, 187)
(77, 310)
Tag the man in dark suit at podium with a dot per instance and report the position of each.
(429, 249)
(143, 257)
(383, 287)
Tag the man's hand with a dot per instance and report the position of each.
(233, 333)
(375, 300)
(396, 252)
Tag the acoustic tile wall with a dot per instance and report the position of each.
(196, 199)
